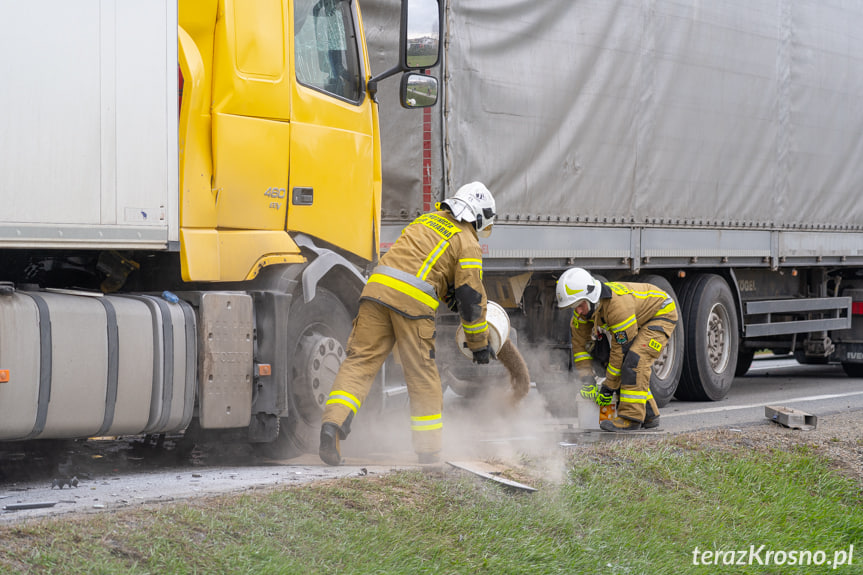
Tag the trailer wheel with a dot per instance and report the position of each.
(669, 365)
(317, 337)
(711, 338)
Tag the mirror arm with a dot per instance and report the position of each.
(373, 82)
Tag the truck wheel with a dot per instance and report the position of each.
(711, 339)
(669, 365)
(317, 336)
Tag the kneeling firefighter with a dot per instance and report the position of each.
(637, 319)
(436, 258)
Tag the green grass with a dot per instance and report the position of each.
(624, 508)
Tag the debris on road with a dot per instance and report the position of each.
(60, 483)
(789, 417)
(38, 505)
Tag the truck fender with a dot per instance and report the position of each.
(738, 299)
(325, 262)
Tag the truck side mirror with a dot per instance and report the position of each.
(418, 90)
(421, 33)
(419, 49)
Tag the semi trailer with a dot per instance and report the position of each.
(192, 194)
(710, 148)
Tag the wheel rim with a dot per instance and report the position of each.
(662, 366)
(322, 356)
(717, 338)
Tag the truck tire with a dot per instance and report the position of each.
(711, 339)
(317, 337)
(669, 365)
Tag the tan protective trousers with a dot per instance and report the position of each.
(376, 330)
(636, 400)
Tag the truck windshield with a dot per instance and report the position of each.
(325, 47)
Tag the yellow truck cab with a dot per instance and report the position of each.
(277, 134)
(191, 200)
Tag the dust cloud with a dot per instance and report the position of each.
(503, 421)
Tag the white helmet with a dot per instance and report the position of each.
(473, 203)
(575, 285)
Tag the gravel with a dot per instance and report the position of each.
(839, 437)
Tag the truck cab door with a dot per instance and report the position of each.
(332, 177)
(251, 113)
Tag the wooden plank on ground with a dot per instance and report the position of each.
(488, 471)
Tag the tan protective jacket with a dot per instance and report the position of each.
(433, 255)
(619, 316)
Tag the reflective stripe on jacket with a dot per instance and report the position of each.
(407, 284)
(629, 306)
(432, 255)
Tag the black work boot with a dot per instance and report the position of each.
(619, 424)
(650, 423)
(651, 419)
(329, 449)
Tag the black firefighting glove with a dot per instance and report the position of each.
(450, 301)
(605, 396)
(482, 355)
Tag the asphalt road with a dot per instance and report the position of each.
(815, 389)
(119, 474)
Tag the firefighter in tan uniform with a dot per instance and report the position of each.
(637, 319)
(436, 258)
